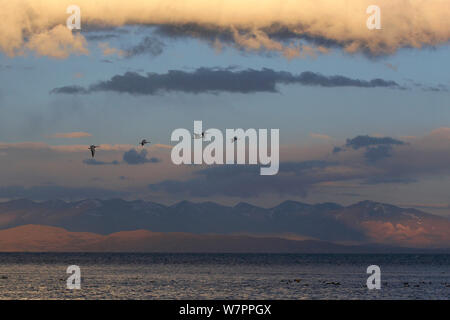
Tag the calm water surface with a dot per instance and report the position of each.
(222, 276)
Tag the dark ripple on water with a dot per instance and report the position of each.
(222, 276)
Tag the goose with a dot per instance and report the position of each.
(200, 135)
(144, 142)
(92, 148)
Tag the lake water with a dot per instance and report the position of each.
(222, 276)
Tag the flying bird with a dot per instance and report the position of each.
(234, 139)
(92, 148)
(200, 135)
(144, 142)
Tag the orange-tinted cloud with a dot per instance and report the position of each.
(75, 147)
(39, 25)
(70, 135)
(422, 234)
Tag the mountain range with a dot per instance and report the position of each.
(38, 238)
(363, 223)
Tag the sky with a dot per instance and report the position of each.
(363, 114)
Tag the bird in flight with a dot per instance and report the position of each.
(234, 139)
(92, 148)
(200, 135)
(144, 142)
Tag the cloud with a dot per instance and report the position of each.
(432, 88)
(337, 149)
(95, 162)
(391, 66)
(443, 206)
(388, 179)
(58, 42)
(294, 178)
(29, 23)
(258, 40)
(162, 146)
(108, 51)
(376, 148)
(148, 46)
(374, 154)
(74, 147)
(70, 135)
(407, 161)
(70, 90)
(403, 162)
(62, 148)
(214, 80)
(356, 163)
(134, 157)
(368, 141)
(51, 192)
(101, 37)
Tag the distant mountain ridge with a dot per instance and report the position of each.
(363, 222)
(38, 238)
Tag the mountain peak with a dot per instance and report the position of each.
(369, 204)
(290, 206)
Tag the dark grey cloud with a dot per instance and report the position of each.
(374, 154)
(95, 162)
(367, 141)
(276, 32)
(212, 33)
(376, 148)
(51, 192)
(294, 178)
(95, 32)
(131, 156)
(337, 149)
(316, 79)
(193, 30)
(435, 88)
(152, 46)
(408, 164)
(70, 90)
(101, 37)
(388, 179)
(429, 88)
(134, 157)
(95, 28)
(215, 80)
